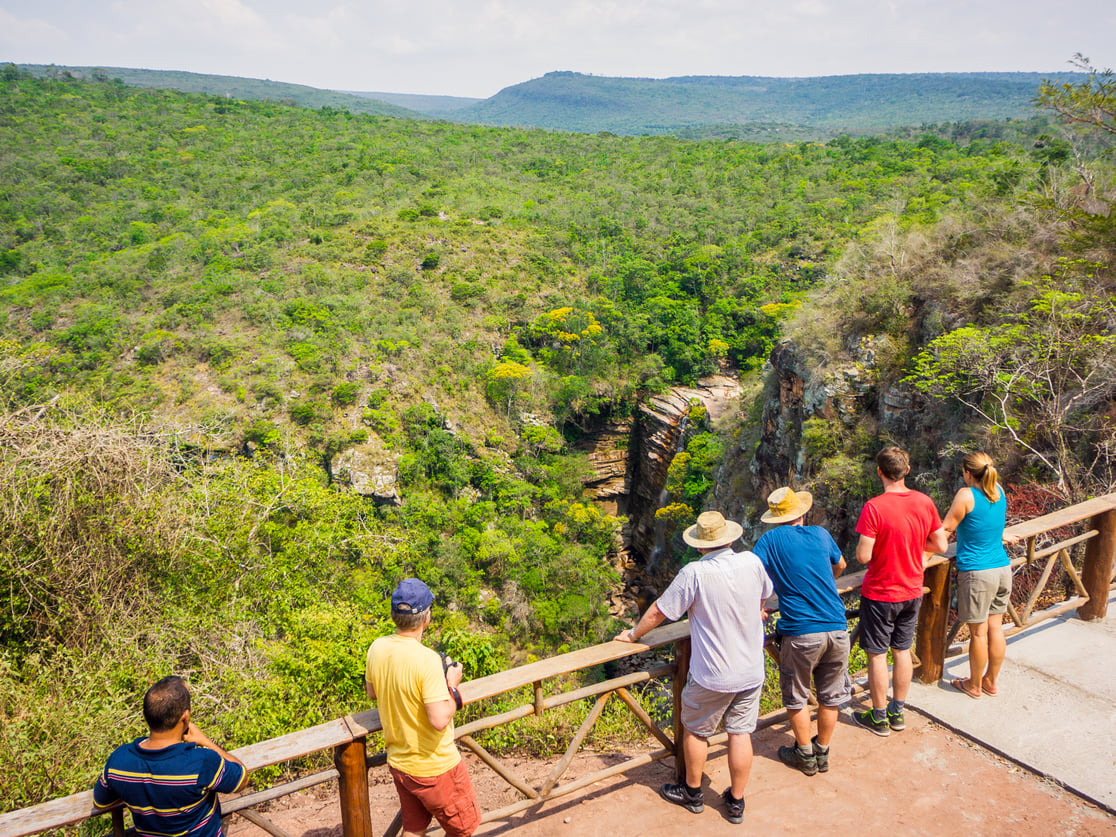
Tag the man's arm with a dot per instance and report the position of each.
(651, 619)
(839, 567)
(441, 712)
(369, 690)
(196, 736)
(864, 548)
(938, 541)
(103, 795)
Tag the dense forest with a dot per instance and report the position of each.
(207, 302)
(752, 108)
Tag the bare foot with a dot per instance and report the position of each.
(962, 685)
(989, 690)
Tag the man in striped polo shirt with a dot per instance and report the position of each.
(170, 778)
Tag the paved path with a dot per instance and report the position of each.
(1056, 715)
(925, 781)
(1056, 711)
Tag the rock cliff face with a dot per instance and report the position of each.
(852, 396)
(369, 469)
(630, 459)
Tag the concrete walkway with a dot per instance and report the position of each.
(923, 782)
(1056, 711)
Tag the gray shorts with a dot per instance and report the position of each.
(982, 593)
(824, 657)
(703, 709)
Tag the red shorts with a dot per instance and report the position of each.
(449, 798)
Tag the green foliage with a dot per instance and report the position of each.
(237, 266)
(730, 107)
(1036, 379)
(345, 394)
(1089, 103)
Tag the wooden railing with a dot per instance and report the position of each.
(347, 737)
(1092, 584)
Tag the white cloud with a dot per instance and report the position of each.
(446, 46)
(19, 34)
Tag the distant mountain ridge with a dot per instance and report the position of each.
(856, 103)
(746, 107)
(234, 87)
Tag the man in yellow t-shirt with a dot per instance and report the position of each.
(417, 697)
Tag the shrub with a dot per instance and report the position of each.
(303, 413)
(345, 393)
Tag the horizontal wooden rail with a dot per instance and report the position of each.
(340, 733)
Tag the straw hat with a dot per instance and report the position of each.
(785, 505)
(712, 530)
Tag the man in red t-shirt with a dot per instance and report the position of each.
(896, 529)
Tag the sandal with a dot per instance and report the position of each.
(959, 684)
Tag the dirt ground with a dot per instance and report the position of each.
(922, 781)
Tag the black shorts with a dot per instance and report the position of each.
(886, 625)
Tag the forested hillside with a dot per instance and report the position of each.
(231, 87)
(859, 104)
(751, 108)
(205, 303)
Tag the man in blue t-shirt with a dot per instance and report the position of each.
(170, 778)
(803, 563)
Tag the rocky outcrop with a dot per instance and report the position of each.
(849, 393)
(369, 469)
(656, 435)
(610, 484)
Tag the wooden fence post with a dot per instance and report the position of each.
(932, 617)
(356, 814)
(681, 672)
(1096, 575)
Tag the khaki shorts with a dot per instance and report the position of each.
(982, 593)
(822, 657)
(703, 709)
(449, 798)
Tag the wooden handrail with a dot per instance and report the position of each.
(340, 733)
(69, 810)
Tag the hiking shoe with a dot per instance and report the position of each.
(867, 720)
(679, 794)
(895, 720)
(821, 755)
(734, 808)
(793, 756)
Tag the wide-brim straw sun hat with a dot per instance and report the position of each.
(712, 530)
(786, 504)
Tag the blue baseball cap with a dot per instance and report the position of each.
(411, 596)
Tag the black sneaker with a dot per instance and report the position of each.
(868, 720)
(895, 720)
(734, 808)
(792, 756)
(821, 755)
(679, 794)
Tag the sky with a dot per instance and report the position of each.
(475, 49)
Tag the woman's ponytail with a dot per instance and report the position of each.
(980, 465)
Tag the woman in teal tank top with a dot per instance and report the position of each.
(978, 515)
